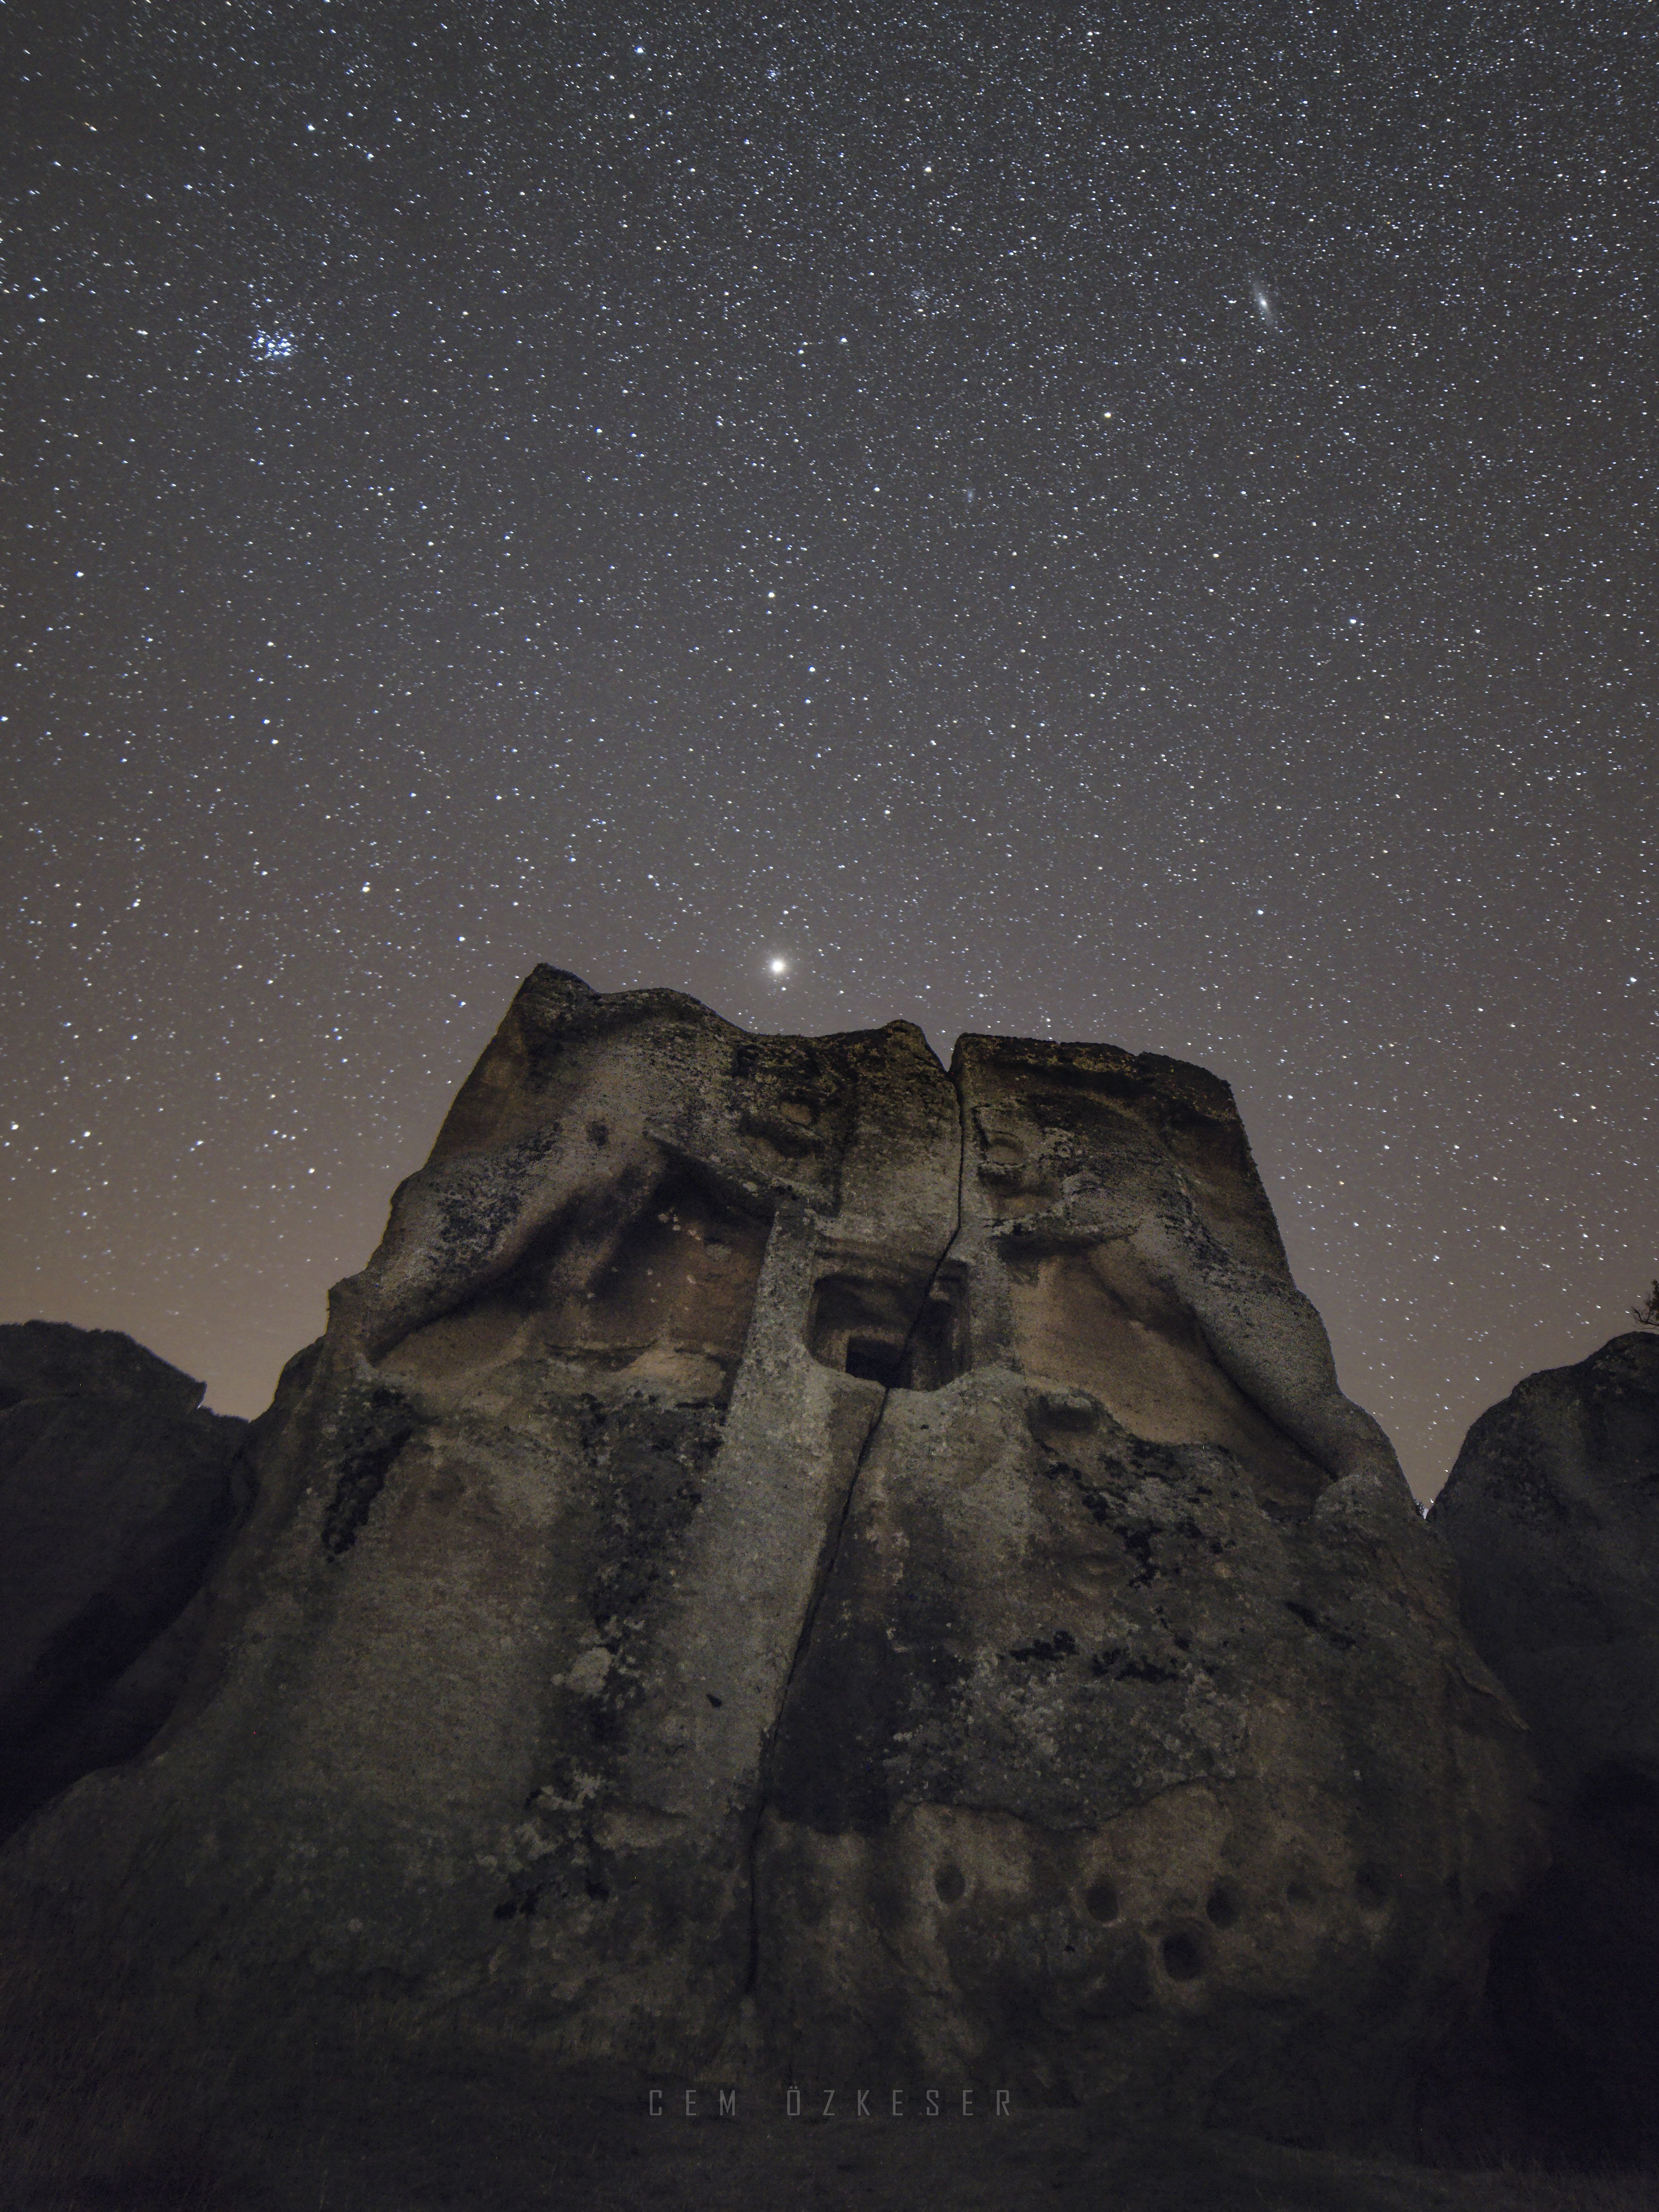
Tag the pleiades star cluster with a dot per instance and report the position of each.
(1130, 523)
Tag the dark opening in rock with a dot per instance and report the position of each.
(1371, 1887)
(874, 1359)
(1183, 1961)
(1101, 1900)
(949, 1882)
(936, 1353)
(1222, 1905)
(879, 1332)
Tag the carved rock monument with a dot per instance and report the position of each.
(791, 1563)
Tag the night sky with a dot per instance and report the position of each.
(1131, 524)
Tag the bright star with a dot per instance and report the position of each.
(779, 967)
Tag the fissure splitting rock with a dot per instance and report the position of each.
(789, 1560)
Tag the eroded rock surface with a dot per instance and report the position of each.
(1552, 1512)
(115, 1494)
(1134, 1747)
(787, 1560)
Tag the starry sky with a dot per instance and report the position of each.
(1116, 523)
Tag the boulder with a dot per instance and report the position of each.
(794, 1565)
(1552, 1512)
(54, 1360)
(115, 1493)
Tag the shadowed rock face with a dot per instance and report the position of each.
(1552, 1512)
(788, 1561)
(115, 1493)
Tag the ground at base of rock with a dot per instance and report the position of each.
(507, 2141)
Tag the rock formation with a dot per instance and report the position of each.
(1552, 1512)
(790, 1562)
(115, 1493)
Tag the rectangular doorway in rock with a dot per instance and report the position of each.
(882, 1332)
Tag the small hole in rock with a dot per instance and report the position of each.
(873, 1327)
(1182, 1960)
(873, 1359)
(1101, 1900)
(1371, 1887)
(1222, 1905)
(950, 1884)
(1299, 1894)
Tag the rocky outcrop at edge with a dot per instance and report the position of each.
(1552, 1512)
(116, 1494)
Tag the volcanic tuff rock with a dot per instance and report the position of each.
(115, 1492)
(1552, 1512)
(787, 1562)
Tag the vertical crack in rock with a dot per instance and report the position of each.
(832, 1549)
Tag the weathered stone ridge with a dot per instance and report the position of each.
(787, 1556)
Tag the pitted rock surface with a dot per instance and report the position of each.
(787, 1557)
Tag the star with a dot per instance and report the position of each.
(1091, 750)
